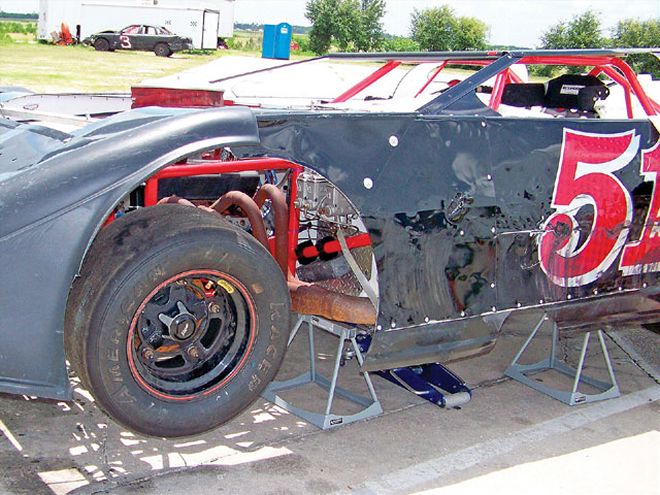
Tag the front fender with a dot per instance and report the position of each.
(56, 192)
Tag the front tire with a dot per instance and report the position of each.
(162, 50)
(178, 321)
(102, 45)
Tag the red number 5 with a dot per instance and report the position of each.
(586, 177)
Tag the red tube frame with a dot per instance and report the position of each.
(367, 81)
(220, 167)
(605, 64)
(432, 78)
(259, 164)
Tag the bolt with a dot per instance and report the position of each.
(193, 352)
(148, 354)
(214, 308)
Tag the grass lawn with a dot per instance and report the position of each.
(60, 69)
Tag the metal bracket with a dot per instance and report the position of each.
(519, 371)
(371, 405)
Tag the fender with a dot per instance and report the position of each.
(57, 189)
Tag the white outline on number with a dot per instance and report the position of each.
(125, 41)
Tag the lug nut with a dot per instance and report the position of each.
(193, 352)
(148, 354)
(214, 308)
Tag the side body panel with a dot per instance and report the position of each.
(423, 187)
(456, 208)
(605, 210)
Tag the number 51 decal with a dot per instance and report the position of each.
(586, 178)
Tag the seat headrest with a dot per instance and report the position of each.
(524, 95)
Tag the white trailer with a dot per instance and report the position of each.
(198, 20)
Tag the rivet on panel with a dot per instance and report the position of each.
(461, 232)
(645, 285)
(462, 313)
(489, 177)
(595, 292)
(519, 304)
(492, 229)
(394, 141)
(540, 301)
(393, 324)
(426, 319)
(379, 327)
(492, 285)
(368, 183)
(569, 296)
(493, 309)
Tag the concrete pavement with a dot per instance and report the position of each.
(508, 437)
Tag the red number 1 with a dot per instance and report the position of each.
(644, 255)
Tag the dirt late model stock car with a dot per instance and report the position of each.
(140, 37)
(161, 251)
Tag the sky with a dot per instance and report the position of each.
(512, 22)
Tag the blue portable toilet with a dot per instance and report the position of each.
(277, 41)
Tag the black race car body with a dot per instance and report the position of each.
(140, 37)
(466, 216)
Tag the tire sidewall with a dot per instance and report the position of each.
(102, 45)
(162, 50)
(111, 379)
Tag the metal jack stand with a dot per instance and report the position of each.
(519, 372)
(326, 420)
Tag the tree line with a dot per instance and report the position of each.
(356, 26)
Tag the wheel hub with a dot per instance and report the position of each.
(183, 325)
(193, 334)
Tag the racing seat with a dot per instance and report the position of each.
(567, 95)
(575, 93)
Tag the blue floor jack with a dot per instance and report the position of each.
(432, 382)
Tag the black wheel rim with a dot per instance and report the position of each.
(191, 335)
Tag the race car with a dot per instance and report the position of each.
(161, 251)
(140, 37)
